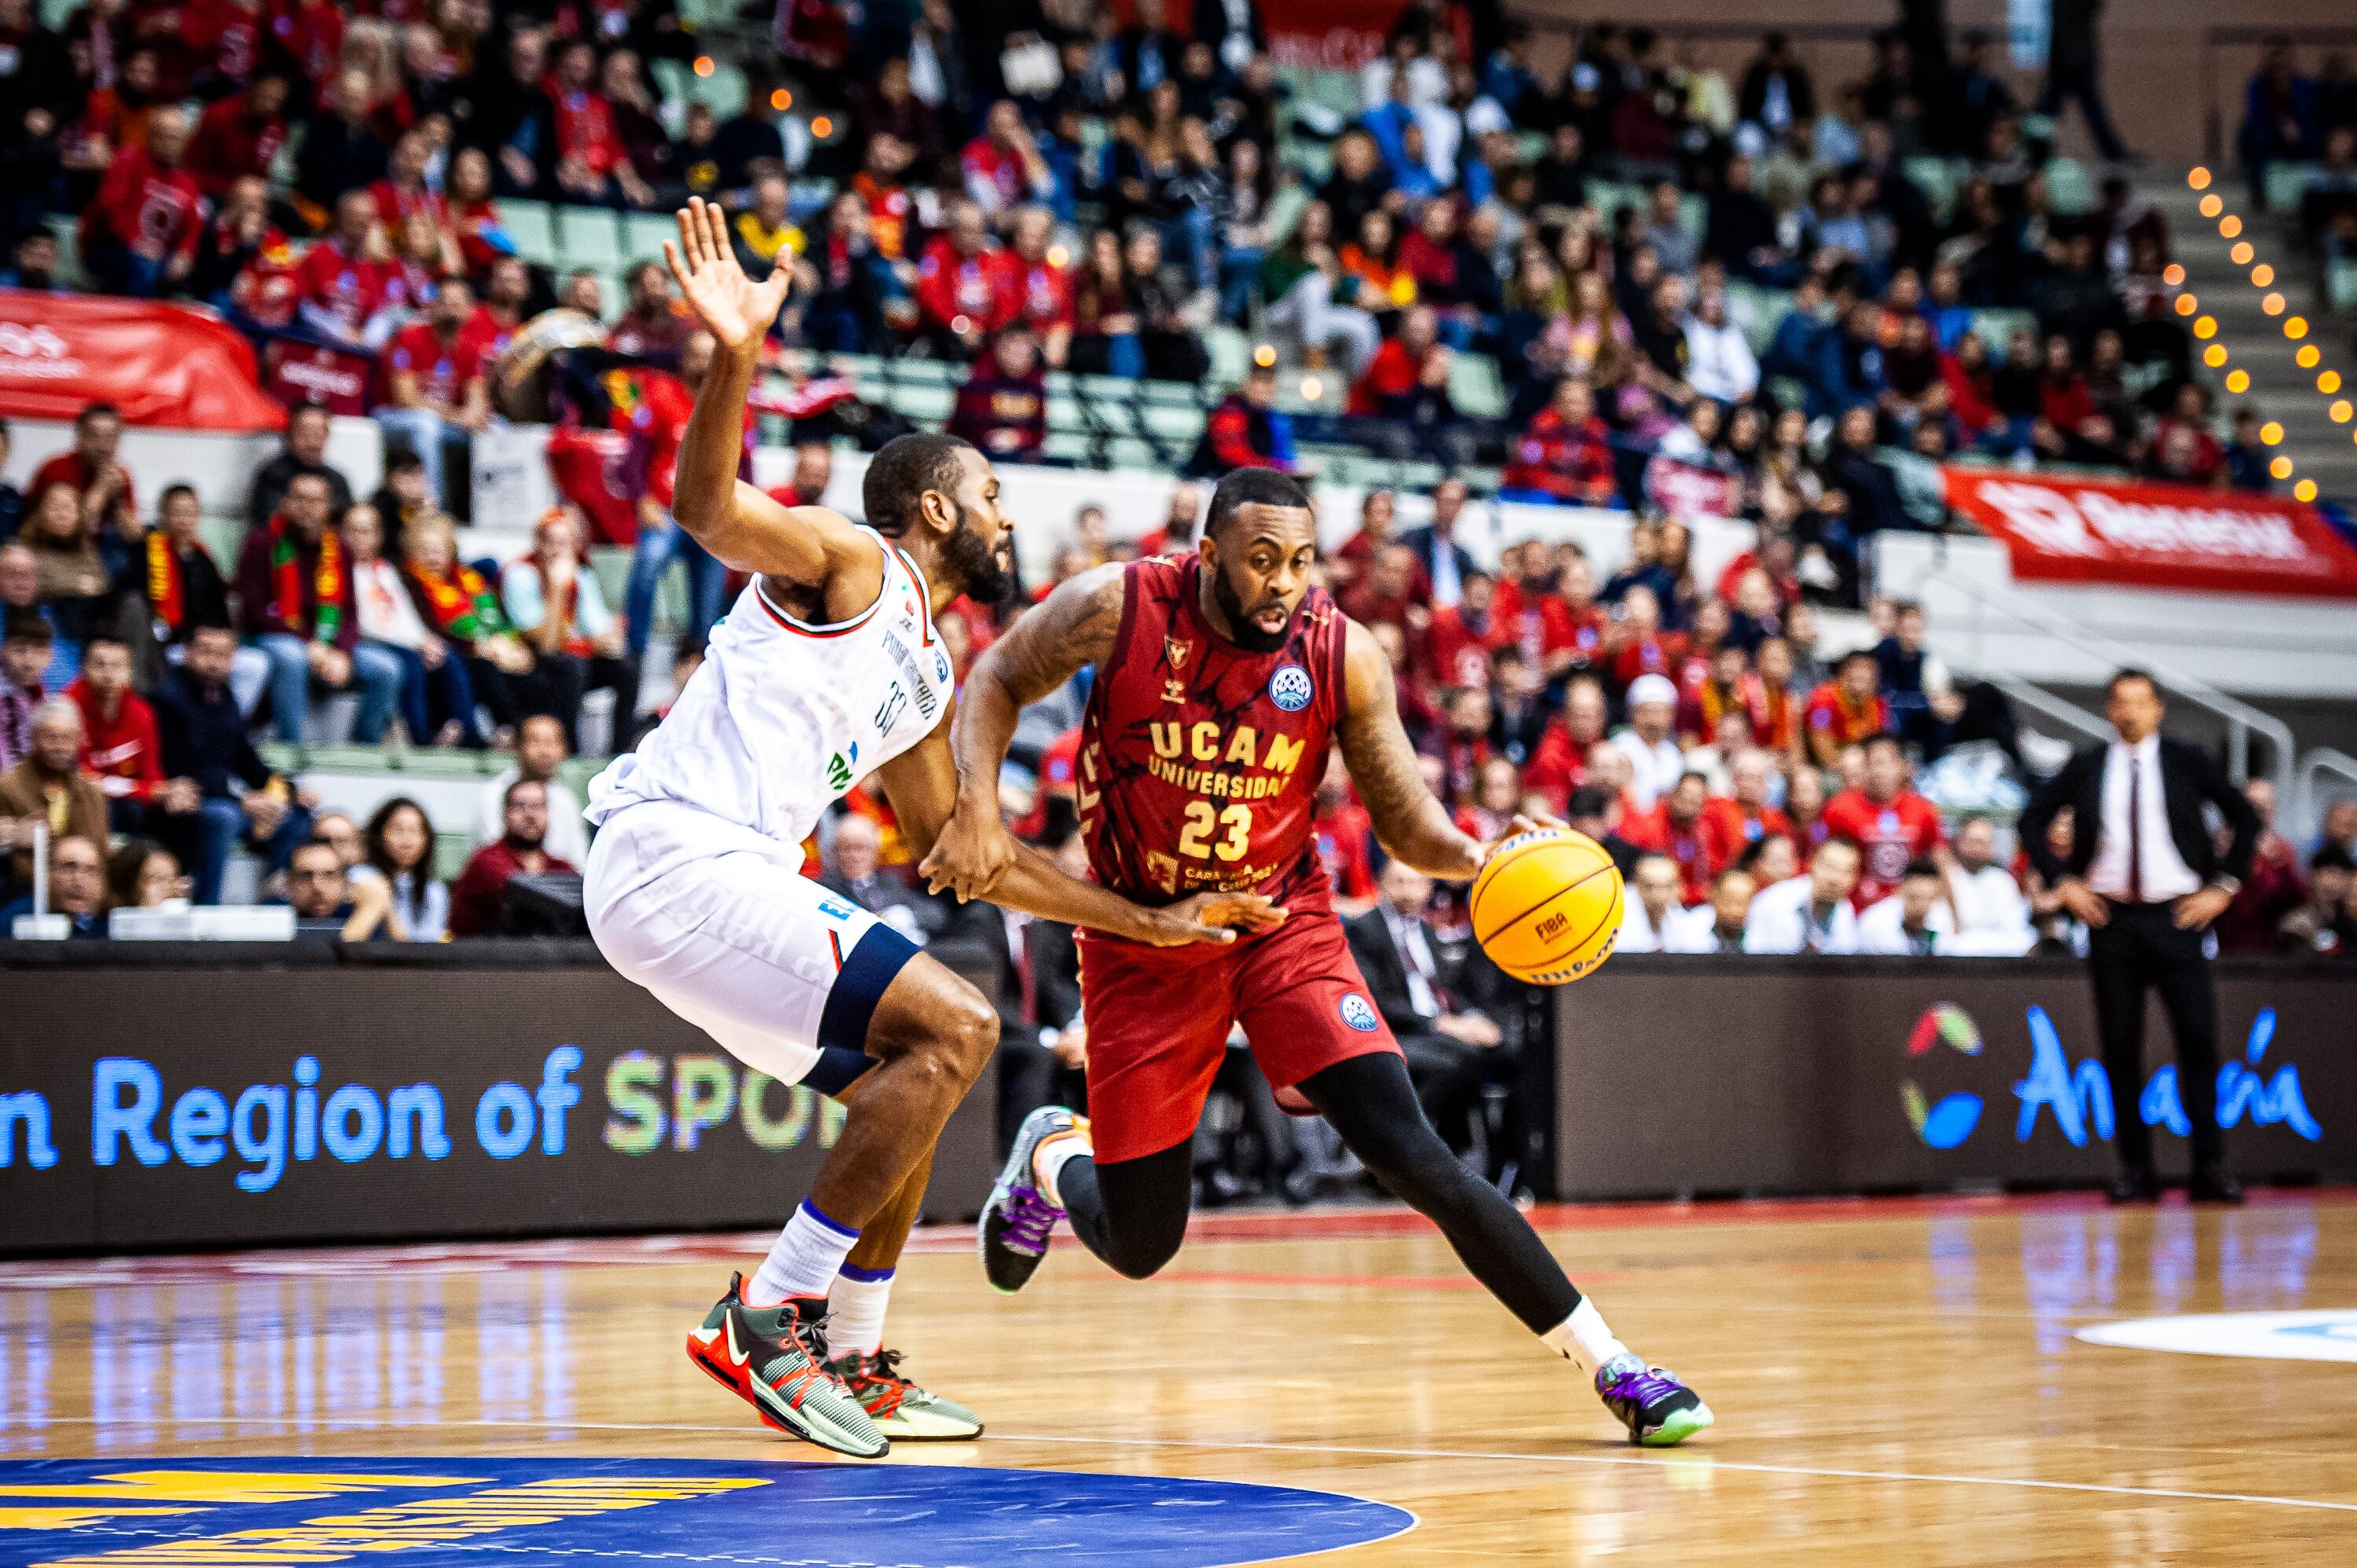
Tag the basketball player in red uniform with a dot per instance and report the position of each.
(1221, 680)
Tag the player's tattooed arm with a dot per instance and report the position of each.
(922, 785)
(1072, 629)
(1410, 824)
(744, 528)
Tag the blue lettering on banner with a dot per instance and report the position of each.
(2079, 1099)
(922, 1516)
(30, 1111)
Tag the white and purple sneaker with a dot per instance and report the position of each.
(1018, 1221)
(1659, 1411)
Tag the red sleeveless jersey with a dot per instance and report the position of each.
(1199, 761)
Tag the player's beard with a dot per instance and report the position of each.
(982, 574)
(1244, 632)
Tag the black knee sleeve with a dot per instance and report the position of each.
(1131, 1213)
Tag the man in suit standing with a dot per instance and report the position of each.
(1445, 563)
(2145, 875)
(1444, 1046)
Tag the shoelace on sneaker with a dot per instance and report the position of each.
(1030, 1217)
(1644, 1385)
(884, 1368)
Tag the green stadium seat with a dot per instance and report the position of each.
(1180, 428)
(532, 226)
(2285, 183)
(1694, 214)
(1474, 388)
(2340, 284)
(1284, 212)
(68, 230)
(1996, 328)
(1759, 310)
(1231, 353)
(588, 237)
(643, 234)
(1936, 178)
(2069, 186)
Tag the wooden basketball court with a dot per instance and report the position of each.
(1897, 1382)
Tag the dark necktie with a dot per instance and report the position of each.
(2136, 830)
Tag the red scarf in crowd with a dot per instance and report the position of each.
(167, 587)
(287, 578)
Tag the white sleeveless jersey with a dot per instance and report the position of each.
(784, 718)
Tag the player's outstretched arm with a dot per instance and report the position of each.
(1072, 629)
(1409, 823)
(922, 785)
(739, 525)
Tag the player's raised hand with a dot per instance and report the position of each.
(970, 857)
(1214, 917)
(736, 310)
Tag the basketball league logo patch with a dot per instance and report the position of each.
(1357, 1011)
(1290, 688)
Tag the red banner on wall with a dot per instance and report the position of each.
(1327, 35)
(2157, 536)
(160, 364)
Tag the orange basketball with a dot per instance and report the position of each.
(1546, 907)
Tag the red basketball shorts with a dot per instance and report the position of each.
(1158, 1020)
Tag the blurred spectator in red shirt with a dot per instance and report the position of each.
(1675, 827)
(653, 326)
(1002, 166)
(2274, 887)
(1733, 822)
(343, 278)
(1847, 709)
(115, 117)
(119, 747)
(1558, 763)
(1640, 646)
(1457, 643)
(1378, 526)
(403, 190)
(1398, 368)
(140, 234)
(1003, 407)
(1042, 284)
(436, 390)
(1387, 593)
(592, 164)
(961, 288)
(1563, 457)
(1345, 834)
(311, 32)
(241, 136)
(476, 898)
(91, 466)
(1891, 823)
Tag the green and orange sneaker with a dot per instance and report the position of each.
(900, 1410)
(774, 1359)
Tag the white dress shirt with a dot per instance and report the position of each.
(1416, 956)
(1694, 930)
(1637, 932)
(1783, 920)
(1882, 928)
(1988, 901)
(2165, 874)
(1656, 767)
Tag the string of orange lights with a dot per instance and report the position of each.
(2294, 328)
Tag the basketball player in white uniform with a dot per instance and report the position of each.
(825, 672)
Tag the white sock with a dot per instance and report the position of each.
(1053, 1156)
(854, 1311)
(803, 1261)
(1583, 1339)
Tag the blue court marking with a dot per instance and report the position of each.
(758, 1515)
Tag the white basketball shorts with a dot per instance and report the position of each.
(718, 922)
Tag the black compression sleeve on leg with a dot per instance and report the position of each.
(1131, 1213)
(1371, 1102)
